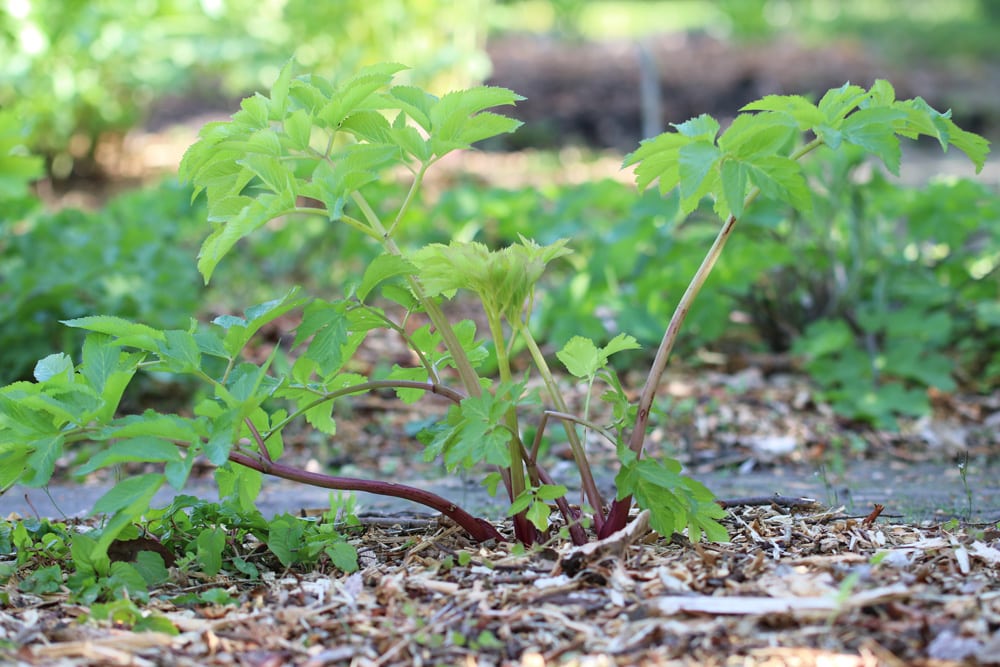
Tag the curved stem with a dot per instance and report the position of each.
(468, 375)
(431, 388)
(479, 529)
(579, 455)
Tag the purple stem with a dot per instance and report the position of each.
(479, 529)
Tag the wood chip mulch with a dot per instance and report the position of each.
(791, 588)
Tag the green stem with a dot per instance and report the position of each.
(467, 374)
(517, 479)
(620, 508)
(418, 179)
(323, 397)
(579, 455)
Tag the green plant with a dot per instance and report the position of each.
(132, 258)
(86, 72)
(327, 142)
(196, 536)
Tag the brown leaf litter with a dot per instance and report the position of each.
(790, 588)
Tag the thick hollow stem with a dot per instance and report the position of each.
(479, 529)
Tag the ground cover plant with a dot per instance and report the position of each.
(312, 144)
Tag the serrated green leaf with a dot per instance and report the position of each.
(874, 130)
(66, 403)
(179, 352)
(268, 169)
(357, 93)
(57, 366)
(298, 128)
(832, 137)
(261, 210)
(42, 461)
(417, 374)
(702, 128)
(781, 178)
(150, 423)
(734, 185)
(657, 158)
(412, 143)
(698, 164)
(368, 125)
(383, 268)
(127, 333)
(279, 92)
(838, 102)
(581, 357)
(253, 112)
(239, 331)
(222, 435)
(757, 135)
(264, 142)
(327, 324)
(128, 493)
(804, 112)
(520, 503)
(881, 94)
(415, 103)
(144, 449)
(12, 465)
(459, 118)
(241, 484)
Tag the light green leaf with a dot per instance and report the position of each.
(145, 449)
(54, 367)
(285, 539)
(804, 112)
(873, 130)
(538, 515)
(781, 178)
(657, 158)
(698, 163)
(383, 268)
(179, 351)
(734, 185)
(343, 556)
(415, 103)
(279, 92)
(209, 545)
(298, 127)
(42, 461)
(702, 128)
(838, 102)
(581, 357)
(126, 493)
(758, 135)
(128, 334)
(551, 492)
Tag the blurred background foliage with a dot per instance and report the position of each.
(78, 71)
(78, 75)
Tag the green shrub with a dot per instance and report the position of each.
(133, 258)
